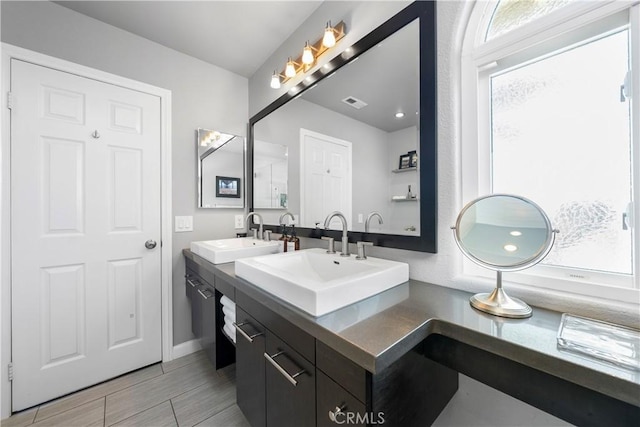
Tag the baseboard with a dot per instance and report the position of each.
(185, 348)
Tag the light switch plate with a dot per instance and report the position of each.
(239, 222)
(183, 224)
(360, 218)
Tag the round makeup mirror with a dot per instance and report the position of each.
(503, 232)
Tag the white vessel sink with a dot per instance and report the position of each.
(228, 250)
(319, 283)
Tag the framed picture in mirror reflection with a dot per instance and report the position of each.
(405, 161)
(227, 187)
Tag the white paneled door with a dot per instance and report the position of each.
(326, 171)
(85, 209)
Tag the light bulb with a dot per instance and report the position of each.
(329, 39)
(275, 81)
(290, 69)
(307, 54)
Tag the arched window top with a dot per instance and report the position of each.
(510, 14)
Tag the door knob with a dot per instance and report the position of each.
(150, 244)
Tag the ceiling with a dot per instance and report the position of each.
(238, 36)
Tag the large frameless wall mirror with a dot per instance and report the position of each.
(360, 134)
(220, 169)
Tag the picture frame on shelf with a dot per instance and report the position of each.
(404, 161)
(227, 187)
(413, 159)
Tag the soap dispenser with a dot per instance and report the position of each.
(294, 240)
(284, 239)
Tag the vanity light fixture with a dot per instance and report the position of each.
(307, 54)
(310, 54)
(290, 69)
(275, 80)
(329, 38)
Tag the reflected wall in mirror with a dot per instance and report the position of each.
(270, 175)
(220, 169)
(345, 137)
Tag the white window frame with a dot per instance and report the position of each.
(479, 58)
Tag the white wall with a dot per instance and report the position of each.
(197, 88)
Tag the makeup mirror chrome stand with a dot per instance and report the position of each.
(503, 232)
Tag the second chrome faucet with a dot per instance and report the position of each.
(345, 236)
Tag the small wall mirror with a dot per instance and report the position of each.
(504, 233)
(270, 175)
(220, 169)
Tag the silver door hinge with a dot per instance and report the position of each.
(10, 99)
(10, 371)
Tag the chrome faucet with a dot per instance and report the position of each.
(260, 232)
(345, 237)
(371, 215)
(290, 215)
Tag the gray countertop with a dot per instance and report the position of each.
(377, 331)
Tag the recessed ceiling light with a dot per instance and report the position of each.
(510, 248)
(516, 233)
(399, 115)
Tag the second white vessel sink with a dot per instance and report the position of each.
(228, 250)
(319, 283)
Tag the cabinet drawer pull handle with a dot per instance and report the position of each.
(205, 296)
(192, 283)
(333, 415)
(243, 333)
(289, 377)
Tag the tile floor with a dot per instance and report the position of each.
(184, 392)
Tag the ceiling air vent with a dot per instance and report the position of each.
(354, 102)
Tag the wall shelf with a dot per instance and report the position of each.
(415, 168)
(405, 200)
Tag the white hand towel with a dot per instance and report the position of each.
(230, 332)
(231, 314)
(229, 321)
(227, 302)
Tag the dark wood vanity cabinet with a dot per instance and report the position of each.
(206, 315)
(290, 384)
(250, 368)
(285, 377)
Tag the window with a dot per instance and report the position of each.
(548, 114)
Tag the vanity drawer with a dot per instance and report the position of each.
(301, 341)
(200, 270)
(335, 405)
(350, 376)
